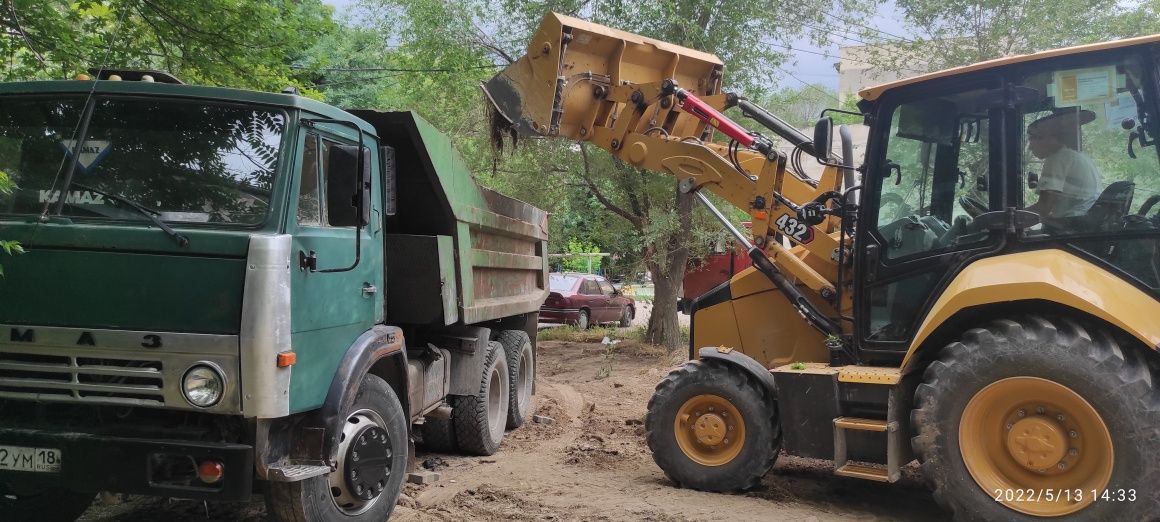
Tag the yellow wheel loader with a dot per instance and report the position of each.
(978, 292)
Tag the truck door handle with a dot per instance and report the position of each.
(369, 289)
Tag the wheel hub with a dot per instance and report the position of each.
(1030, 433)
(368, 463)
(709, 429)
(1037, 443)
(364, 466)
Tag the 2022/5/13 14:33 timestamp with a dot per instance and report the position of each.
(1064, 495)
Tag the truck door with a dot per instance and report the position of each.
(329, 310)
(938, 163)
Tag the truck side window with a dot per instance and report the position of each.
(309, 204)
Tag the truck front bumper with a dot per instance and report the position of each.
(131, 465)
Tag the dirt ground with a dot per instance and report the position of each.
(592, 464)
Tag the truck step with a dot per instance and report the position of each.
(855, 423)
(860, 471)
(894, 450)
(296, 472)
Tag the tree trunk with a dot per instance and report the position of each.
(663, 327)
(667, 275)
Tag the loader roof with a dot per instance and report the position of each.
(873, 93)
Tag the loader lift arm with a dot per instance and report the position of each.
(657, 106)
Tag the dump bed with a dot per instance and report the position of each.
(456, 252)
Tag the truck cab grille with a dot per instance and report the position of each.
(75, 378)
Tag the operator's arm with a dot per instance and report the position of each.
(1048, 203)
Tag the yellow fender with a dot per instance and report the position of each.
(1049, 275)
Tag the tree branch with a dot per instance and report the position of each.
(16, 25)
(587, 176)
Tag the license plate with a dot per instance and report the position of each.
(17, 458)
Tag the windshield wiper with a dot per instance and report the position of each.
(177, 236)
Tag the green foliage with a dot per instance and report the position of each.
(579, 263)
(951, 33)
(236, 43)
(9, 247)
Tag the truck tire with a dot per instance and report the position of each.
(364, 488)
(439, 435)
(480, 419)
(521, 360)
(712, 427)
(1031, 407)
(50, 505)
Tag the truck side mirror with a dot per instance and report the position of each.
(823, 131)
(348, 191)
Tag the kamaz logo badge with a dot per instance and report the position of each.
(28, 335)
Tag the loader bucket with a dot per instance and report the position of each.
(570, 64)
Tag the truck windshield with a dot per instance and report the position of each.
(185, 161)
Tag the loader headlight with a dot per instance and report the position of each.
(203, 385)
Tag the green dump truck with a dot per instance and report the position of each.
(229, 292)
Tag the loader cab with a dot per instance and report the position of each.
(1068, 138)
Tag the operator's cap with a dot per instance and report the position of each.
(1064, 121)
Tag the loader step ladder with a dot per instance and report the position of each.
(844, 468)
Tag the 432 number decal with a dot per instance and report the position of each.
(798, 231)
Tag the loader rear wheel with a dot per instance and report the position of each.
(1027, 418)
(712, 427)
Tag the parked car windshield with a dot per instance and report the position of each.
(561, 283)
(184, 161)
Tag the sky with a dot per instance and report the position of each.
(806, 65)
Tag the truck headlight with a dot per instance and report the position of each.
(203, 385)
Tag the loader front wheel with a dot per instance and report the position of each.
(712, 427)
(1033, 418)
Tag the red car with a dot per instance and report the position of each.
(585, 300)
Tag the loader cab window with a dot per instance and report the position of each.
(1089, 163)
(1090, 167)
(934, 177)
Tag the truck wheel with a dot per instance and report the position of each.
(50, 505)
(626, 317)
(372, 462)
(439, 435)
(711, 427)
(582, 320)
(521, 360)
(480, 419)
(1024, 418)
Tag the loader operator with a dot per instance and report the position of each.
(1070, 182)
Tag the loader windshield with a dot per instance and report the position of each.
(179, 160)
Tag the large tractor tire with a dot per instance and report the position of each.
(49, 505)
(1026, 418)
(521, 360)
(713, 427)
(480, 419)
(373, 450)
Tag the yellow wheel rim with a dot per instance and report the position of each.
(1038, 440)
(709, 430)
